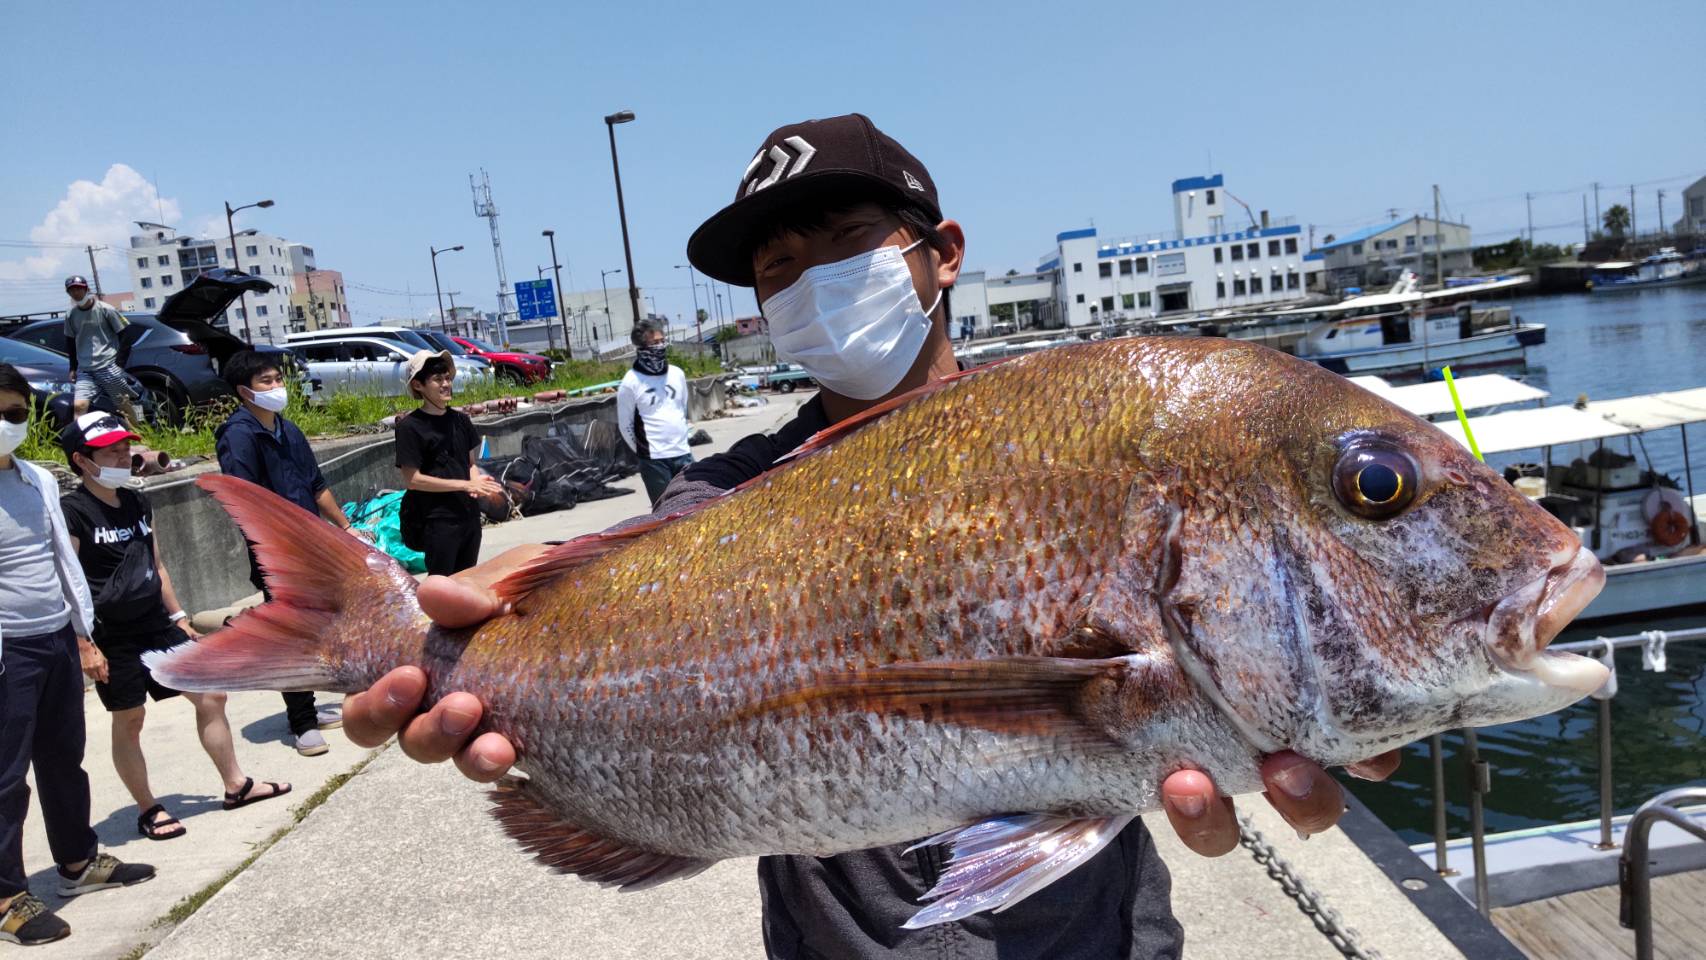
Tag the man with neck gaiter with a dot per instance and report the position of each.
(651, 410)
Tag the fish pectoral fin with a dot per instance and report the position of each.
(567, 848)
(1056, 697)
(995, 864)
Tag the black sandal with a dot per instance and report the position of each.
(161, 829)
(242, 798)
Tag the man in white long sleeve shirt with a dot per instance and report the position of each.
(651, 410)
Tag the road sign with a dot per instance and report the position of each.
(534, 299)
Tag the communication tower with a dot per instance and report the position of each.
(484, 207)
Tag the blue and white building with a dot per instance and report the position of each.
(1215, 258)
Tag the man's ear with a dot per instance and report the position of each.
(953, 257)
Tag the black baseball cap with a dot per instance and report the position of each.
(802, 162)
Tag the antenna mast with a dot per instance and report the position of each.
(484, 207)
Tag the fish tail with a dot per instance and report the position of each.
(336, 604)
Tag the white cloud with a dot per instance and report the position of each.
(98, 214)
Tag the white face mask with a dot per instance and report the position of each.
(272, 401)
(111, 477)
(87, 302)
(11, 435)
(854, 325)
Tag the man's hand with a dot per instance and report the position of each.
(188, 628)
(94, 662)
(1304, 794)
(484, 486)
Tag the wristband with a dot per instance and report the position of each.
(174, 618)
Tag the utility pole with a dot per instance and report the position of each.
(94, 271)
(562, 312)
(1632, 231)
(484, 207)
(1586, 237)
(1439, 251)
(1597, 219)
(1661, 211)
(1528, 198)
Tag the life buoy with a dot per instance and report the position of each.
(1668, 527)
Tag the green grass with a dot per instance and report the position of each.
(342, 413)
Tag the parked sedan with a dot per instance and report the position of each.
(445, 341)
(377, 366)
(519, 367)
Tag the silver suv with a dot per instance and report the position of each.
(370, 365)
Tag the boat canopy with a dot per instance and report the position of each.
(1434, 398)
(1550, 426)
(1393, 299)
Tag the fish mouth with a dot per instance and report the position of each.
(1519, 627)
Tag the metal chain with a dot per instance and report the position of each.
(1327, 920)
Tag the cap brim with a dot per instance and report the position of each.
(108, 439)
(721, 247)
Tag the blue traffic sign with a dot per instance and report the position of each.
(534, 299)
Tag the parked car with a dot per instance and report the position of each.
(49, 376)
(472, 369)
(518, 367)
(370, 365)
(177, 355)
(445, 341)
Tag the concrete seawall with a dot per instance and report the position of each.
(206, 556)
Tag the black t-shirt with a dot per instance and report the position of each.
(439, 447)
(115, 546)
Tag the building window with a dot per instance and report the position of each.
(1081, 298)
(1143, 299)
(1253, 250)
(241, 315)
(142, 262)
(1238, 287)
(1273, 248)
(1104, 269)
(1107, 304)
(1211, 198)
(1427, 241)
(1255, 284)
(1237, 251)
(261, 311)
(1128, 301)
(1290, 244)
(1356, 249)
(1141, 264)
(255, 271)
(1291, 280)
(1220, 287)
(251, 251)
(1125, 268)
(165, 280)
(1219, 256)
(1078, 268)
(229, 255)
(147, 283)
(148, 302)
(162, 261)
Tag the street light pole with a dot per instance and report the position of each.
(231, 232)
(442, 319)
(606, 288)
(557, 271)
(693, 284)
(610, 122)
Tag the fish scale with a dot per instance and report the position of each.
(1040, 587)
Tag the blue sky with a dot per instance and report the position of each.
(363, 121)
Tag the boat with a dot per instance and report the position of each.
(1411, 332)
(1667, 268)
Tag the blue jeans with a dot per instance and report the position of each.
(658, 473)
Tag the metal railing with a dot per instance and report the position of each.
(1634, 870)
(1480, 776)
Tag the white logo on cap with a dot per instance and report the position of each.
(782, 161)
(912, 181)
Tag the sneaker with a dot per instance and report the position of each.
(28, 922)
(328, 718)
(103, 872)
(311, 744)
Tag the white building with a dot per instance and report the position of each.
(1213, 259)
(161, 262)
(1693, 209)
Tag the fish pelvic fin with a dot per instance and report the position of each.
(303, 638)
(994, 864)
(566, 848)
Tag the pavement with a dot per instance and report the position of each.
(403, 859)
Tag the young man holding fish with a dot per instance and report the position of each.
(838, 230)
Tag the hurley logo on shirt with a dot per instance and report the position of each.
(104, 535)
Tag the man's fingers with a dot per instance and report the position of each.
(1376, 768)
(502, 565)
(487, 758)
(440, 733)
(1304, 794)
(454, 604)
(374, 715)
(1203, 819)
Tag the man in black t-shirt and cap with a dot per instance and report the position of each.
(838, 229)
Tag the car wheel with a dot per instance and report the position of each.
(511, 375)
(788, 386)
(161, 404)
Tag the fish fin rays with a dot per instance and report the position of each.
(997, 863)
(566, 848)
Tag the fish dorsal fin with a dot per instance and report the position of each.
(566, 848)
(995, 864)
(841, 428)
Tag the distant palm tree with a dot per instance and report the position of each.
(1617, 220)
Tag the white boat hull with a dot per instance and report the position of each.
(1507, 346)
(1648, 586)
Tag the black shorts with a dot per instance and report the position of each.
(127, 679)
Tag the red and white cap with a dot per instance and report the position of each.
(94, 430)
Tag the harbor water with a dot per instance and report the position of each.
(1546, 770)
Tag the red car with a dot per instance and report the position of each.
(520, 367)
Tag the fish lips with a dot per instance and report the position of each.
(1519, 627)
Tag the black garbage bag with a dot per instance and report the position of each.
(699, 438)
(576, 465)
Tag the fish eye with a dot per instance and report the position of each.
(1375, 483)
